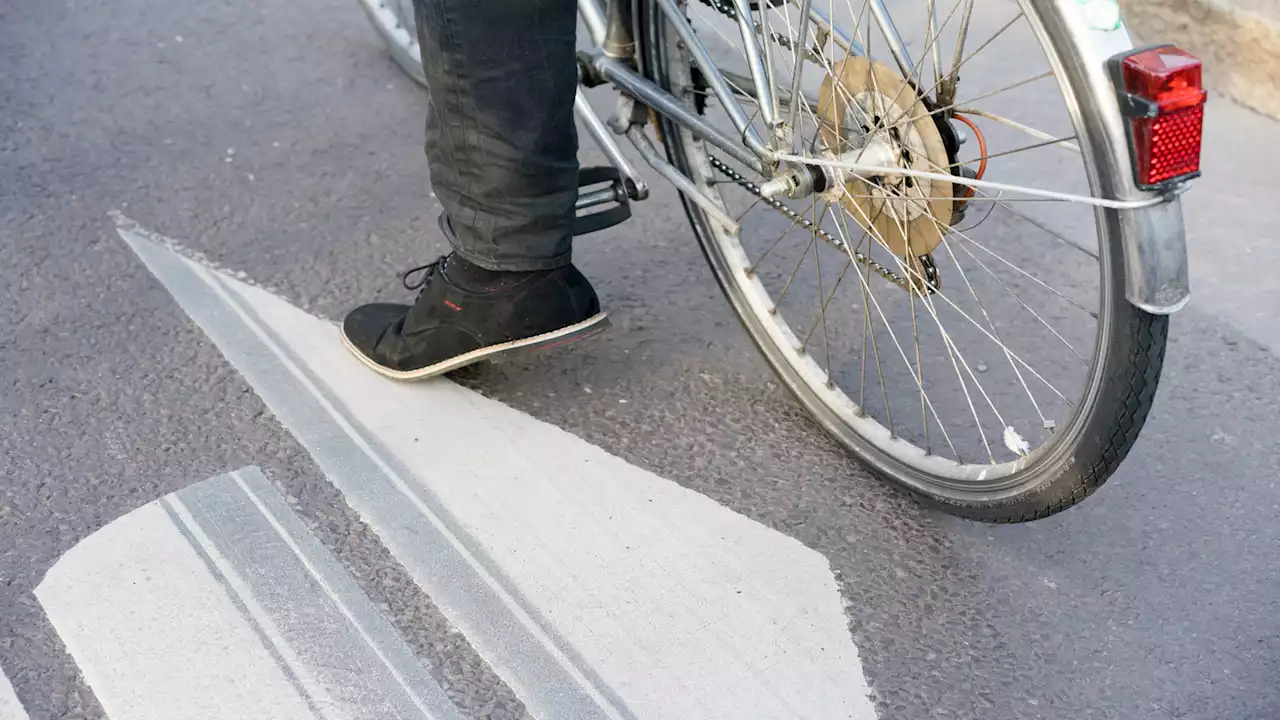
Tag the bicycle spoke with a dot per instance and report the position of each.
(1002, 153)
(869, 293)
(1038, 134)
(915, 333)
(953, 352)
(830, 296)
(755, 265)
(1024, 305)
(956, 69)
(1032, 221)
(822, 308)
(996, 333)
(984, 302)
(813, 238)
(957, 107)
(754, 204)
(1055, 235)
(1026, 274)
(910, 271)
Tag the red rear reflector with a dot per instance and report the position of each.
(1162, 93)
(1167, 147)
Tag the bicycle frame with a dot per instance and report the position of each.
(1149, 224)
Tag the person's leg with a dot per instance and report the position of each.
(501, 141)
(502, 148)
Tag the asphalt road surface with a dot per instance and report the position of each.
(277, 140)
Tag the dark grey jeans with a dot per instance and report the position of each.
(501, 140)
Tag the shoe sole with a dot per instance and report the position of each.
(564, 336)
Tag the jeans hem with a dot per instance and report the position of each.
(515, 264)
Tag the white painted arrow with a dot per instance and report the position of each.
(217, 603)
(594, 588)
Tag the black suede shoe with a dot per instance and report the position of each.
(451, 326)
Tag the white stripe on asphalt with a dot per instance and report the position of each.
(323, 703)
(154, 632)
(351, 608)
(10, 708)
(217, 602)
(657, 596)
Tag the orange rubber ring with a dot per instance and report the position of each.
(982, 148)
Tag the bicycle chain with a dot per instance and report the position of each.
(726, 8)
(805, 223)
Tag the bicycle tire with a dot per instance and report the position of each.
(1127, 364)
(395, 25)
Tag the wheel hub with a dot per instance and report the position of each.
(871, 114)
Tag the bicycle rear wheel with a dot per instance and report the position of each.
(393, 19)
(975, 349)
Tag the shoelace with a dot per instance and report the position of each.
(427, 271)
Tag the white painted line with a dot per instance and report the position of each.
(349, 658)
(156, 634)
(241, 571)
(324, 704)
(10, 708)
(399, 482)
(661, 598)
(354, 606)
(429, 543)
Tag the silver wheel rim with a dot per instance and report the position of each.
(394, 21)
(906, 460)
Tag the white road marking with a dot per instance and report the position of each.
(658, 596)
(217, 602)
(430, 544)
(155, 634)
(10, 708)
(350, 603)
(325, 705)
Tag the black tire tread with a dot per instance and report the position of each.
(1132, 389)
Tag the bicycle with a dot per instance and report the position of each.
(780, 119)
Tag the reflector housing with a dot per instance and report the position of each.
(1162, 95)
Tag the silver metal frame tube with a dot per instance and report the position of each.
(723, 92)
(663, 102)
(682, 183)
(593, 17)
(897, 47)
(756, 62)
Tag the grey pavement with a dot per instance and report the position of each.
(278, 139)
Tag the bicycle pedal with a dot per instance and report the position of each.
(610, 192)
